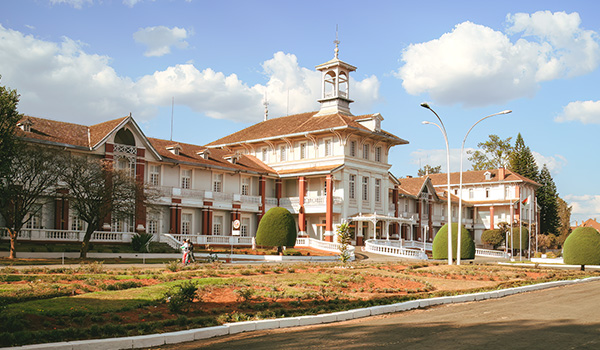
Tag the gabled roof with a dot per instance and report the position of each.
(299, 124)
(100, 132)
(192, 155)
(478, 177)
(414, 186)
(590, 223)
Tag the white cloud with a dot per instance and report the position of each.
(435, 157)
(476, 65)
(587, 112)
(78, 4)
(584, 207)
(160, 39)
(554, 163)
(61, 81)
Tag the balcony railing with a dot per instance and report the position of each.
(68, 235)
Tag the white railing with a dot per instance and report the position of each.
(385, 247)
(175, 241)
(322, 245)
(270, 201)
(418, 245)
(491, 253)
(69, 235)
(252, 199)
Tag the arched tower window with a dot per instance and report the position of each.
(125, 137)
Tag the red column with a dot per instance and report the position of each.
(491, 218)
(140, 206)
(329, 209)
(173, 220)
(419, 220)
(210, 218)
(205, 222)
(429, 233)
(301, 218)
(396, 225)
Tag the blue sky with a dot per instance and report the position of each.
(87, 61)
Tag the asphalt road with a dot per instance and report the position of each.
(558, 318)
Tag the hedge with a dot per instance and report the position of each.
(524, 233)
(277, 228)
(440, 243)
(582, 247)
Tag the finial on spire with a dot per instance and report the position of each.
(266, 104)
(336, 42)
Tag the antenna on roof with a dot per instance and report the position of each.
(172, 108)
(336, 42)
(266, 104)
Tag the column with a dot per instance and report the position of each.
(491, 218)
(396, 225)
(140, 205)
(419, 220)
(329, 209)
(301, 215)
(262, 193)
(205, 222)
(429, 233)
(278, 191)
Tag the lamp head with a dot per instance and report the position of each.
(425, 122)
(425, 105)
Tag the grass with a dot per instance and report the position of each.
(41, 304)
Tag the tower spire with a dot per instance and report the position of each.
(336, 42)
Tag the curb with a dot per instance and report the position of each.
(144, 341)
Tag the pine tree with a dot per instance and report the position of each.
(547, 198)
(521, 160)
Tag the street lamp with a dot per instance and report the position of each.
(462, 148)
(443, 130)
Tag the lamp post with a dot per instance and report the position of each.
(462, 148)
(443, 130)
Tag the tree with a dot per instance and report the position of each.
(277, 228)
(97, 191)
(582, 247)
(344, 238)
(494, 153)
(440, 243)
(564, 219)
(9, 117)
(428, 169)
(521, 160)
(33, 173)
(492, 237)
(547, 198)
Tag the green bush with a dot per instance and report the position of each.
(492, 237)
(277, 228)
(440, 243)
(524, 233)
(140, 242)
(582, 247)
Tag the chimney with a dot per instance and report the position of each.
(501, 173)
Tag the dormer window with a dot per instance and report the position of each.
(233, 158)
(488, 175)
(204, 154)
(175, 149)
(25, 125)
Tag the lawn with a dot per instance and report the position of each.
(46, 304)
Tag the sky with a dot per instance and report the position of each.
(211, 63)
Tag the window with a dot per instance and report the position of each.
(245, 186)
(282, 153)
(155, 175)
(352, 186)
(487, 193)
(126, 163)
(378, 154)
(76, 222)
(328, 148)
(377, 190)
(35, 219)
(365, 189)
(218, 225)
(507, 192)
(471, 193)
(245, 227)
(366, 151)
(186, 178)
(303, 150)
(152, 226)
(186, 224)
(353, 148)
(116, 225)
(265, 154)
(218, 183)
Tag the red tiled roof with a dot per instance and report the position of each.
(590, 223)
(478, 176)
(314, 169)
(56, 132)
(99, 131)
(297, 124)
(189, 153)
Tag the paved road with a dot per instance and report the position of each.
(559, 318)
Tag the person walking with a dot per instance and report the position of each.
(185, 248)
(191, 257)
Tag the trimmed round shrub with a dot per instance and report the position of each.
(440, 243)
(582, 247)
(513, 238)
(277, 228)
(492, 237)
